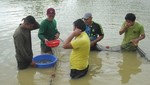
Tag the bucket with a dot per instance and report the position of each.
(45, 60)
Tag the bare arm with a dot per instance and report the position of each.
(96, 40)
(135, 41)
(123, 29)
(67, 44)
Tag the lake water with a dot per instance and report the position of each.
(106, 68)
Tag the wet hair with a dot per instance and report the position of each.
(130, 16)
(79, 23)
(29, 19)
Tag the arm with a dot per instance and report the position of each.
(97, 39)
(136, 41)
(67, 44)
(125, 27)
(100, 37)
(41, 32)
(58, 33)
(20, 48)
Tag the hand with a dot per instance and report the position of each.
(135, 42)
(57, 35)
(128, 24)
(77, 32)
(45, 40)
(92, 44)
(33, 64)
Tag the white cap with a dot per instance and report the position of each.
(87, 15)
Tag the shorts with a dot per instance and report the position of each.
(75, 74)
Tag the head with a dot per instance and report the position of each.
(79, 24)
(130, 18)
(29, 22)
(50, 13)
(87, 18)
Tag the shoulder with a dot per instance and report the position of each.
(84, 37)
(96, 24)
(44, 21)
(54, 21)
(18, 32)
(139, 25)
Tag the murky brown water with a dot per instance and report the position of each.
(106, 68)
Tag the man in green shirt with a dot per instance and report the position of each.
(22, 41)
(48, 30)
(133, 32)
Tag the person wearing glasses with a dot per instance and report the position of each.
(94, 31)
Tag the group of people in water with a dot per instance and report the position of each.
(83, 39)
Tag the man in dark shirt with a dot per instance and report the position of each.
(94, 31)
(22, 41)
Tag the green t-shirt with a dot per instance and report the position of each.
(80, 53)
(47, 30)
(133, 32)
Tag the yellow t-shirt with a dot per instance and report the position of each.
(80, 53)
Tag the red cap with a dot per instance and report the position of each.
(50, 11)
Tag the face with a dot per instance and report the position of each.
(129, 22)
(29, 26)
(50, 16)
(88, 21)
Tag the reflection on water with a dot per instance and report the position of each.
(130, 66)
(26, 77)
(94, 69)
(34, 76)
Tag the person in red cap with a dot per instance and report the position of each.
(48, 30)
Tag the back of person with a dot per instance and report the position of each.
(80, 53)
(79, 42)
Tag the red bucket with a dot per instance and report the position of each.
(53, 43)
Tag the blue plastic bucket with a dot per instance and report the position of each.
(45, 61)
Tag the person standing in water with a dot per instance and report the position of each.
(22, 42)
(79, 42)
(48, 31)
(94, 31)
(133, 32)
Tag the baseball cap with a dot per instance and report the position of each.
(87, 15)
(50, 11)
